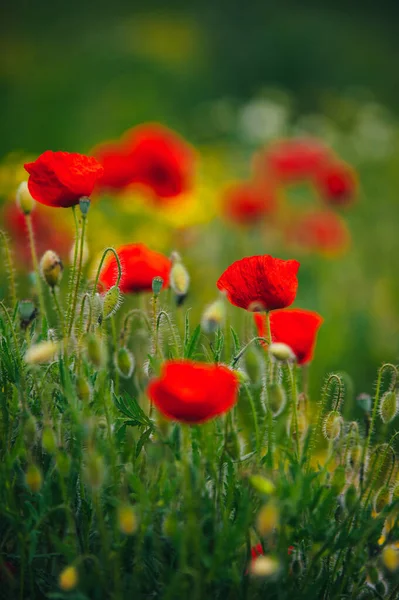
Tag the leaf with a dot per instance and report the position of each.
(236, 341)
(193, 343)
(143, 439)
(131, 409)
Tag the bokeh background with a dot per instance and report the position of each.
(230, 77)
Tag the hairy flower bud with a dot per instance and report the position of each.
(213, 316)
(262, 484)
(95, 470)
(179, 278)
(267, 519)
(68, 579)
(33, 478)
(112, 301)
(25, 202)
(49, 442)
(264, 566)
(51, 268)
(96, 351)
(389, 406)
(382, 499)
(83, 388)
(276, 398)
(63, 463)
(281, 352)
(124, 362)
(30, 430)
(127, 519)
(332, 425)
(41, 353)
(390, 558)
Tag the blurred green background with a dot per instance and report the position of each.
(231, 76)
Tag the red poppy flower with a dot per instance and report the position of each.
(260, 283)
(162, 160)
(337, 183)
(139, 267)
(50, 234)
(319, 231)
(60, 179)
(117, 164)
(151, 156)
(193, 392)
(256, 551)
(292, 160)
(245, 203)
(295, 327)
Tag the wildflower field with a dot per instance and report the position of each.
(198, 352)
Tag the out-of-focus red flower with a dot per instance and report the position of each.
(336, 182)
(260, 283)
(292, 159)
(117, 164)
(193, 392)
(295, 327)
(319, 231)
(151, 156)
(50, 234)
(60, 179)
(245, 203)
(139, 267)
(256, 551)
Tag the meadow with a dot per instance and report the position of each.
(198, 381)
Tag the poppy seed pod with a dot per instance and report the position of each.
(84, 204)
(33, 478)
(332, 425)
(24, 198)
(112, 301)
(51, 268)
(27, 312)
(124, 362)
(213, 316)
(389, 406)
(157, 284)
(68, 579)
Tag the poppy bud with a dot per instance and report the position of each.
(351, 497)
(332, 425)
(25, 202)
(355, 456)
(63, 463)
(213, 316)
(267, 519)
(170, 525)
(127, 519)
(68, 579)
(124, 362)
(95, 470)
(262, 484)
(41, 353)
(30, 430)
(51, 268)
(388, 407)
(49, 443)
(281, 352)
(232, 445)
(84, 205)
(276, 398)
(264, 566)
(157, 284)
(301, 426)
(390, 558)
(83, 388)
(27, 312)
(33, 478)
(179, 279)
(96, 351)
(382, 499)
(112, 301)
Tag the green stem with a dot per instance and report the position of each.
(35, 263)
(71, 283)
(78, 276)
(10, 269)
(243, 350)
(118, 262)
(58, 310)
(254, 416)
(294, 391)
